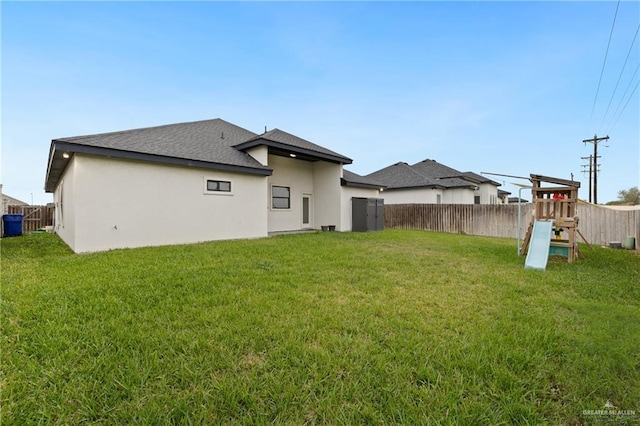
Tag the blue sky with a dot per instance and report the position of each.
(502, 87)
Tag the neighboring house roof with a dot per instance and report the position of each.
(434, 169)
(479, 178)
(284, 143)
(427, 174)
(214, 144)
(454, 178)
(513, 200)
(456, 182)
(10, 201)
(502, 193)
(357, 181)
(401, 175)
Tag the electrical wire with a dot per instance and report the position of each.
(593, 107)
(625, 106)
(620, 76)
(615, 114)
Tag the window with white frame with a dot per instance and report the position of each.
(280, 197)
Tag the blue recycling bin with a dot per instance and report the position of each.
(12, 224)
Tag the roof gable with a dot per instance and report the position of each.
(286, 144)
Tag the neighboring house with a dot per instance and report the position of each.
(191, 182)
(10, 201)
(429, 182)
(503, 196)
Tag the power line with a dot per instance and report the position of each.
(620, 76)
(625, 91)
(625, 105)
(593, 107)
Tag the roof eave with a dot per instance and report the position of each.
(293, 150)
(344, 182)
(58, 163)
(430, 186)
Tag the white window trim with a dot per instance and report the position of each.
(205, 191)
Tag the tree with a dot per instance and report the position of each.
(629, 196)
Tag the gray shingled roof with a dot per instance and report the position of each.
(288, 143)
(427, 173)
(401, 175)
(355, 180)
(210, 141)
(474, 177)
(447, 176)
(211, 144)
(434, 169)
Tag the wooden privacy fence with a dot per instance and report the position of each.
(474, 219)
(34, 217)
(602, 225)
(599, 225)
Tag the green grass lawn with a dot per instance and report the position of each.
(391, 327)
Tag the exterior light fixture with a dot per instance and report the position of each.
(65, 155)
(292, 155)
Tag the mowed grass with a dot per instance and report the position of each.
(394, 327)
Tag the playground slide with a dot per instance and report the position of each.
(539, 245)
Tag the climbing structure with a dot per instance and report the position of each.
(556, 204)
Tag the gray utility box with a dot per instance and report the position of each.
(367, 214)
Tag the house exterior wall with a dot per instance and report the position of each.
(458, 196)
(320, 180)
(488, 194)
(346, 204)
(298, 176)
(327, 194)
(64, 199)
(260, 154)
(122, 203)
(430, 196)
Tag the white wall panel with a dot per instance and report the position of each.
(122, 203)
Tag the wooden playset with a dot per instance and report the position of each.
(557, 204)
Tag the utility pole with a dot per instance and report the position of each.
(593, 167)
(590, 171)
(595, 141)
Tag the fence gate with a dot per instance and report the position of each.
(34, 217)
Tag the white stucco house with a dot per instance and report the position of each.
(192, 182)
(430, 182)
